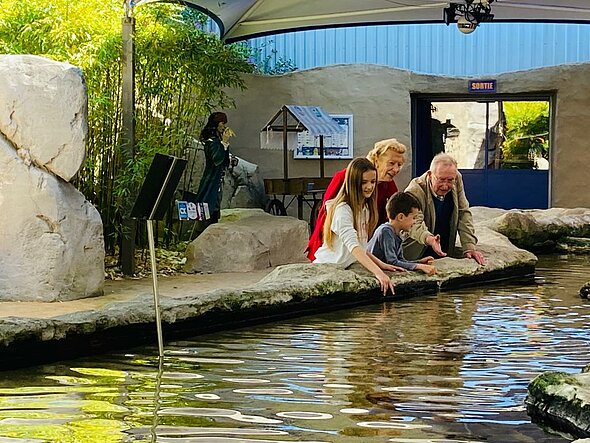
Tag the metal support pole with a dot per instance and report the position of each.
(322, 172)
(128, 135)
(285, 147)
(152, 244)
(150, 231)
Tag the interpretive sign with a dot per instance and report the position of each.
(336, 146)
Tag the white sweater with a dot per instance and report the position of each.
(346, 238)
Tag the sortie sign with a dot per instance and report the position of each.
(482, 86)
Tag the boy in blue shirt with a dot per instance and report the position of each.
(386, 243)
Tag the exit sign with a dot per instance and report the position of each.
(482, 86)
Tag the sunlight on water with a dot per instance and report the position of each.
(450, 368)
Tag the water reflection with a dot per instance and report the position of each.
(446, 368)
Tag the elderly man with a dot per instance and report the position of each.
(445, 212)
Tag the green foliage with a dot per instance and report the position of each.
(270, 64)
(527, 130)
(182, 74)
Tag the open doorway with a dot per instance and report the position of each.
(501, 144)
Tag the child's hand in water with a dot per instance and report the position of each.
(385, 283)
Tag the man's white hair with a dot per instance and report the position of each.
(442, 159)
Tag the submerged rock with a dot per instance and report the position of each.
(576, 245)
(585, 291)
(562, 401)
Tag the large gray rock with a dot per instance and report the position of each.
(561, 400)
(51, 246)
(43, 108)
(257, 241)
(537, 229)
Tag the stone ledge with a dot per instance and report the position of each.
(287, 291)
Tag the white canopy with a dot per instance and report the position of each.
(241, 19)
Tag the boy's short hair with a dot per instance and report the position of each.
(401, 203)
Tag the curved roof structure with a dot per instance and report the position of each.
(242, 19)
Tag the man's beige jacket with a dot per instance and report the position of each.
(461, 220)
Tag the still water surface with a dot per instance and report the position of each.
(447, 368)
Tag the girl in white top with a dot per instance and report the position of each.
(350, 221)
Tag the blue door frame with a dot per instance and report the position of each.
(499, 188)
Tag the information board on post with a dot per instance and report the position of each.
(337, 146)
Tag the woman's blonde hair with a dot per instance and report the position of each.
(351, 193)
(382, 146)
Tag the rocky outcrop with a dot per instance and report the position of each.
(52, 245)
(562, 401)
(255, 241)
(537, 229)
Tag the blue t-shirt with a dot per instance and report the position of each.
(386, 245)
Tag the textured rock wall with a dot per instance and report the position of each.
(51, 240)
(379, 97)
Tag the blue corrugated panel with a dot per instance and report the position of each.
(437, 49)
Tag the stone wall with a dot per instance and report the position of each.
(379, 98)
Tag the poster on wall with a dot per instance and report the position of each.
(337, 146)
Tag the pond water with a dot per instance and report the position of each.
(447, 368)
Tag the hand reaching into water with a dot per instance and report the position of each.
(385, 283)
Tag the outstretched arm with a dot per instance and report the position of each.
(363, 258)
(385, 266)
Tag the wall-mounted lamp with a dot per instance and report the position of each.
(469, 14)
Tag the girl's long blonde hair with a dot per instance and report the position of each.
(351, 193)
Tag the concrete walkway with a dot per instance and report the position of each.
(125, 290)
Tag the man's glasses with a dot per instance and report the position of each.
(450, 181)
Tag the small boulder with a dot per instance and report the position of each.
(585, 291)
(250, 243)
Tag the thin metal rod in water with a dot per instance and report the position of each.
(150, 231)
(157, 400)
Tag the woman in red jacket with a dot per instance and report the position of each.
(388, 157)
